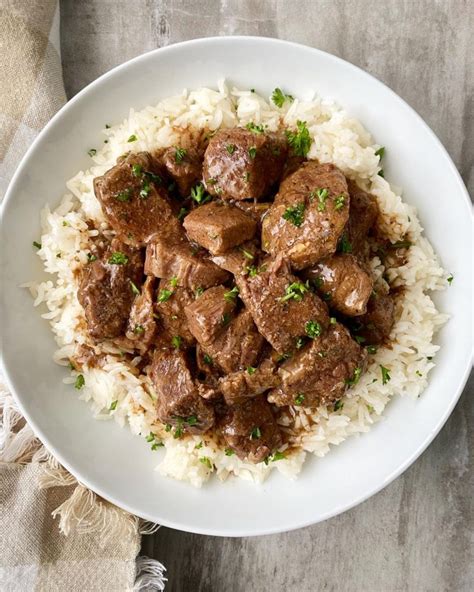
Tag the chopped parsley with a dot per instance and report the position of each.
(299, 399)
(339, 202)
(317, 281)
(164, 295)
(256, 129)
(207, 360)
(380, 152)
(246, 176)
(300, 140)
(274, 457)
(253, 152)
(107, 126)
(137, 170)
(176, 341)
(231, 295)
(134, 288)
(251, 370)
(450, 279)
(371, 349)
(256, 433)
(313, 329)
(381, 174)
(247, 254)
(145, 190)
(403, 244)
(385, 374)
(37, 244)
(80, 382)
(295, 291)
(191, 420)
(179, 155)
(338, 405)
(173, 281)
(206, 461)
(182, 213)
(294, 214)
(300, 342)
(322, 195)
(230, 148)
(229, 452)
(124, 195)
(199, 446)
(359, 339)
(92, 152)
(132, 138)
(332, 320)
(344, 244)
(279, 97)
(139, 329)
(118, 258)
(113, 405)
(156, 444)
(199, 291)
(225, 319)
(354, 379)
(91, 258)
(199, 195)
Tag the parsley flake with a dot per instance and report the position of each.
(92, 152)
(253, 152)
(279, 97)
(385, 374)
(295, 291)
(450, 279)
(256, 433)
(294, 214)
(207, 359)
(299, 399)
(256, 129)
(230, 148)
(229, 452)
(313, 329)
(37, 244)
(231, 295)
(354, 379)
(134, 288)
(300, 140)
(179, 155)
(199, 195)
(251, 370)
(124, 195)
(80, 382)
(176, 341)
(164, 295)
(339, 202)
(380, 152)
(338, 405)
(132, 138)
(344, 244)
(118, 258)
(113, 405)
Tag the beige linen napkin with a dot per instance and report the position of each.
(55, 534)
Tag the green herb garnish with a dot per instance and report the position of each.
(300, 140)
(164, 295)
(230, 148)
(344, 244)
(176, 341)
(113, 405)
(253, 152)
(295, 291)
(313, 329)
(322, 195)
(134, 288)
(450, 279)
(118, 258)
(354, 379)
(380, 152)
(256, 129)
(279, 97)
(371, 349)
(251, 370)
(80, 382)
(385, 374)
(132, 138)
(339, 202)
(137, 170)
(206, 461)
(139, 329)
(225, 319)
(255, 434)
(92, 152)
(124, 195)
(37, 244)
(182, 213)
(299, 399)
(229, 452)
(247, 254)
(207, 360)
(179, 155)
(199, 291)
(294, 214)
(338, 405)
(332, 320)
(199, 195)
(231, 295)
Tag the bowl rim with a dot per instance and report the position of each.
(457, 391)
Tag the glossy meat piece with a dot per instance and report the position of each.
(375, 326)
(279, 319)
(303, 224)
(255, 209)
(171, 303)
(240, 164)
(251, 431)
(209, 314)
(237, 346)
(219, 227)
(238, 259)
(245, 384)
(165, 259)
(343, 283)
(321, 372)
(184, 165)
(142, 329)
(208, 374)
(362, 216)
(106, 292)
(134, 200)
(179, 403)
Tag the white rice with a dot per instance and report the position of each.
(337, 138)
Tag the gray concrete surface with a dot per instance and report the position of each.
(417, 534)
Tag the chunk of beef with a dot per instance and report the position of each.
(171, 303)
(308, 215)
(179, 403)
(141, 330)
(239, 259)
(184, 165)
(106, 290)
(320, 372)
(362, 216)
(343, 283)
(237, 346)
(240, 164)
(218, 227)
(239, 386)
(251, 431)
(134, 201)
(210, 313)
(256, 209)
(193, 270)
(208, 374)
(376, 324)
(280, 304)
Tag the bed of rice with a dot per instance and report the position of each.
(337, 138)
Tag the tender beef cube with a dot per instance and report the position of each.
(238, 259)
(375, 326)
(210, 313)
(240, 164)
(179, 403)
(142, 327)
(321, 371)
(245, 384)
(218, 227)
(171, 303)
(106, 290)
(343, 283)
(280, 318)
(184, 165)
(134, 200)
(362, 216)
(208, 374)
(251, 431)
(308, 215)
(193, 270)
(255, 209)
(237, 346)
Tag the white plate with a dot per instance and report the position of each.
(120, 466)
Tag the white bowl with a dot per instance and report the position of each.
(109, 459)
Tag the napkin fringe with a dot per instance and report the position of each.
(150, 575)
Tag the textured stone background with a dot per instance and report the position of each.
(417, 534)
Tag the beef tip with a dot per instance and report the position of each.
(280, 304)
(218, 227)
(251, 431)
(134, 200)
(184, 166)
(321, 372)
(192, 269)
(256, 209)
(343, 283)
(106, 291)
(375, 325)
(363, 213)
(208, 374)
(171, 303)
(211, 313)
(240, 164)
(238, 259)
(237, 346)
(141, 330)
(308, 215)
(179, 403)
(245, 384)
